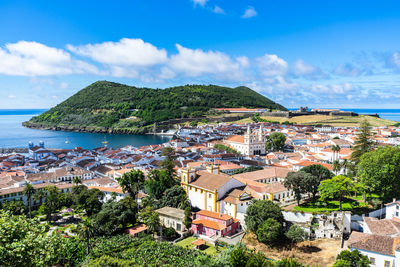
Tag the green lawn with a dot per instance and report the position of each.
(351, 204)
(210, 249)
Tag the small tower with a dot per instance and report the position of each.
(41, 144)
(30, 144)
(260, 134)
(247, 135)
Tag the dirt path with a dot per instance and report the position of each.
(321, 252)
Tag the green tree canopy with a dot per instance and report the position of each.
(174, 197)
(379, 171)
(296, 234)
(261, 210)
(296, 182)
(132, 182)
(158, 181)
(363, 142)
(351, 259)
(269, 232)
(319, 173)
(275, 142)
(338, 188)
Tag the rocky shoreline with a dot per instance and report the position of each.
(86, 129)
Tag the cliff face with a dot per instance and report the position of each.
(112, 107)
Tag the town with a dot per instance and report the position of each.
(217, 186)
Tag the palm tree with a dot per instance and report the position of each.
(345, 165)
(29, 190)
(86, 232)
(336, 166)
(335, 150)
(39, 195)
(77, 180)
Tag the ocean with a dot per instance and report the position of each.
(13, 134)
(389, 114)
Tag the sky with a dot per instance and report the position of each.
(342, 54)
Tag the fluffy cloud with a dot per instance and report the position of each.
(126, 52)
(272, 65)
(200, 2)
(34, 59)
(218, 10)
(196, 62)
(249, 13)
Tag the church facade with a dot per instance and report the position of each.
(251, 143)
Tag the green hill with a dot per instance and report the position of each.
(117, 106)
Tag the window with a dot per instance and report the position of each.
(397, 214)
(209, 195)
(387, 264)
(372, 259)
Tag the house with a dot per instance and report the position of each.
(393, 210)
(251, 143)
(206, 188)
(172, 217)
(267, 175)
(214, 224)
(380, 249)
(136, 230)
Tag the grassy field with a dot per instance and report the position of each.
(325, 119)
(210, 249)
(321, 252)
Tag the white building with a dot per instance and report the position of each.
(251, 143)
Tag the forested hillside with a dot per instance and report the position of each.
(114, 105)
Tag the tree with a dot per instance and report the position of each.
(345, 165)
(29, 190)
(132, 182)
(296, 234)
(239, 257)
(335, 150)
(188, 218)
(295, 182)
(275, 142)
(270, 231)
(113, 217)
(150, 218)
(158, 182)
(174, 197)
(319, 173)
(363, 142)
(261, 210)
(351, 259)
(77, 180)
(86, 232)
(24, 242)
(288, 263)
(337, 188)
(379, 171)
(168, 165)
(52, 202)
(336, 166)
(14, 207)
(88, 199)
(39, 195)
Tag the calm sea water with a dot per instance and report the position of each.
(389, 114)
(12, 134)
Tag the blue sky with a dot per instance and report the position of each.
(316, 53)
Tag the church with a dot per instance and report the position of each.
(251, 143)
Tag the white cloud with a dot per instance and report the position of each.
(12, 96)
(272, 65)
(200, 2)
(196, 62)
(126, 52)
(34, 59)
(249, 13)
(218, 10)
(333, 88)
(347, 70)
(243, 61)
(303, 68)
(393, 61)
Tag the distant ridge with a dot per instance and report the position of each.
(112, 106)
